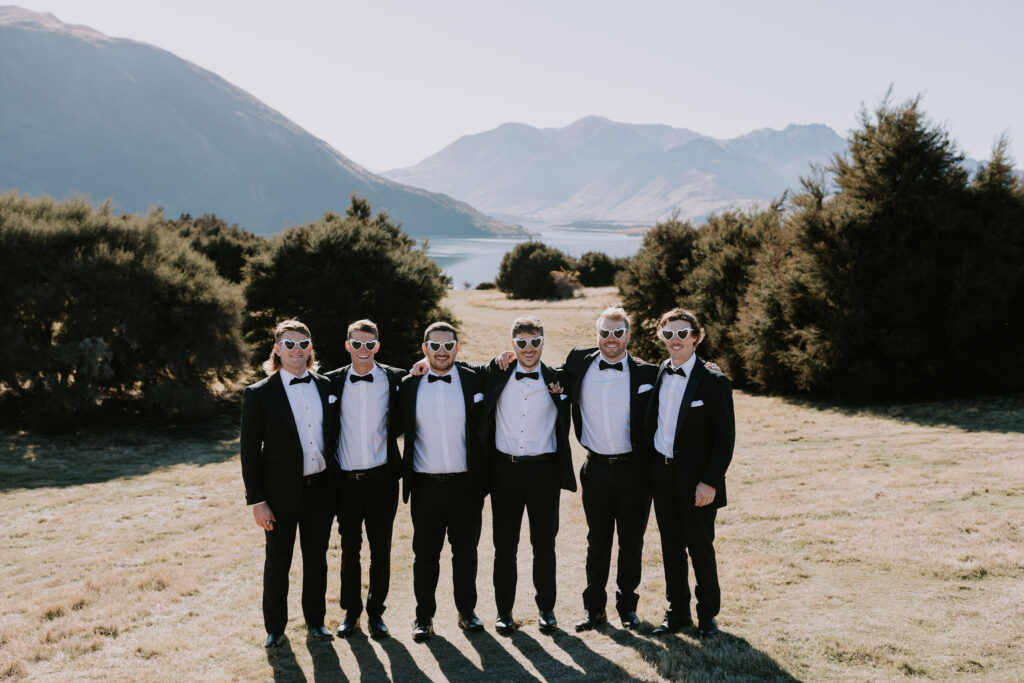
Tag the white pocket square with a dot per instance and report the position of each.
(331, 398)
(697, 403)
(562, 397)
(477, 398)
(644, 388)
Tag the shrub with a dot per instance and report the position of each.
(336, 270)
(102, 307)
(486, 285)
(567, 283)
(525, 271)
(597, 269)
(229, 247)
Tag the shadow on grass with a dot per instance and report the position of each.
(282, 661)
(725, 657)
(92, 456)
(1003, 414)
(326, 666)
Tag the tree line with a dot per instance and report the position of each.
(893, 271)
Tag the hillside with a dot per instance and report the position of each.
(84, 113)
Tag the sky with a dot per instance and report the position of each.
(388, 83)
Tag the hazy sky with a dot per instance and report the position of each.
(388, 83)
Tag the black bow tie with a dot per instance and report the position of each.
(301, 380)
(439, 378)
(525, 375)
(610, 366)
(676, 371)
(368, 377)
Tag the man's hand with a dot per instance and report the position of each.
(504, 360)
(263, 515)
(712, 366)
(705, 495)
(420, 368)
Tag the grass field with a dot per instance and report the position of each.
(860, 543)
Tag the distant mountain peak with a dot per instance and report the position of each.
(599, 169)
(111, 117)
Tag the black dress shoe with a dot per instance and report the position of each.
(707, 628)
(630, 621)
(471, 622)
(348, 626)
(378, 629)
(505, 624)
(673, 623)
(319, 633)
(591, 620)
(546, 621)
(422, 630)
(273, 640)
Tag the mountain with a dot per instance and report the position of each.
(599, 171)
(84, 113)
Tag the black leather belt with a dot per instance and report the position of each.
(527, 458)
(357, 475)
(445, 476)
(620, 459)
(311, 479)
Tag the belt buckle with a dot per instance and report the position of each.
(358, 475)
(668, 460)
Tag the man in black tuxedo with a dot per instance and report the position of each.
(445, 475)
(525, 432)
(371, 465)
(289, 475)
(691, 429)
(609, 390)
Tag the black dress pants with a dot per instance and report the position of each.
(615, 497)
(372, 500)
(533, 486)
(313, 519)
(444, 505)
(685, 528)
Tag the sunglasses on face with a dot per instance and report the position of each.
(619, 332)
(523, 343)
(291, 343)
(356, 344)
(680, 334)
(436, 346)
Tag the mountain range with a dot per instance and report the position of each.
(596, 171)
(84, 113)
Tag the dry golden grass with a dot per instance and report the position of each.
(883, 542)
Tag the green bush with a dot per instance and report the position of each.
(486, 285)
(597, 269)
(526, 271)
(907, 280)
(229, 247)
(331, 272)
(100, 307)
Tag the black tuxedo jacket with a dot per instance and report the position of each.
(271, 451)
(339, 382)
(472, 385)
(705, 433)
(496, 380)
(640, 373)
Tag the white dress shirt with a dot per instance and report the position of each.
(526, 415)
(308, 412)
(670, 396)
(440, 445)
(364, 421)
(604, 405)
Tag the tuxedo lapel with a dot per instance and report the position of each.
(692, 383)
(578, 389)
(323, 386)
(285, 408)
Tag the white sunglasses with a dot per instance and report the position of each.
(535, 342)
(291, 343)
(680, 334)
(619, 332)
(436, 346)
(356, 344)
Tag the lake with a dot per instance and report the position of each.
(476, 259)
